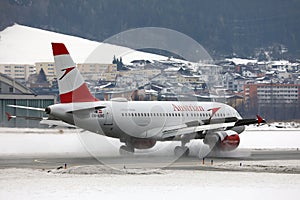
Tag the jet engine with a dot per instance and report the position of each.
(138, 143)
(223, 140)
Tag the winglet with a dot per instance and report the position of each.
(8, 116)
(260, 120)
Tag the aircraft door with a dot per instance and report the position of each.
(108, 116)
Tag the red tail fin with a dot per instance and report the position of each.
(72, 87)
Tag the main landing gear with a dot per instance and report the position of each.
(126, 150)
(182, 151)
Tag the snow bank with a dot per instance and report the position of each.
(103, 169)
(275, 166)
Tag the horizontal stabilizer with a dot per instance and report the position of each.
(56, 123)
(78, 109)
(9, 117)
(26, 107)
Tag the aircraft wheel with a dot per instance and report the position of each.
(181, 151)
(126, 150)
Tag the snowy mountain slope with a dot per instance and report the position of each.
(21, 44)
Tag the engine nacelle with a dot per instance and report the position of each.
(238, 129)
(143, 143)
(223, 140)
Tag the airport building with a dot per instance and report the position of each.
(14, 93)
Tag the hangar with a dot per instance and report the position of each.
(13, 92)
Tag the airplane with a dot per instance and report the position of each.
(140, 124)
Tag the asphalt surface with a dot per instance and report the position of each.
(141, 161)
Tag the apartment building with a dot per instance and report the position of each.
(271, 93)
(96, 71)
(48, 68)
(19, 72)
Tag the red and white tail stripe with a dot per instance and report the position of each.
(72, 87)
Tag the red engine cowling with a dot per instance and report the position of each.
(230, 142)
(223, 140)
(143, 143)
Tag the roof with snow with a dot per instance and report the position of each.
(241, 61)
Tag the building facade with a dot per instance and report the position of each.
(96, 71)
(19, 72)
(273, 99)
(48, 68)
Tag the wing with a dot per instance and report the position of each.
(195, 126)
(172, 132)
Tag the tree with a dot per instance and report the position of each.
(115, 61)
(42, 76)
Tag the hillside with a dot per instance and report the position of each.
(26, 45)
(223, 27)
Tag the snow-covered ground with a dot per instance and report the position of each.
(36, 184)
(91, 182)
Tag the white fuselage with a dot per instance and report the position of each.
(139, 119)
